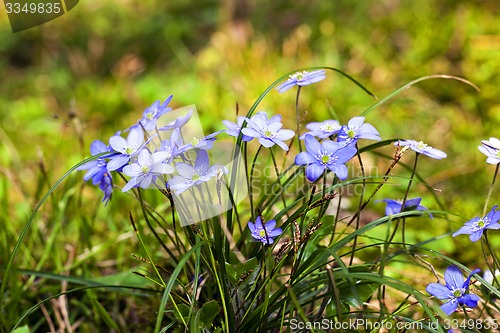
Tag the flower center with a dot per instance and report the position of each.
(145, 169)
(481, 223)
(262, 233)
(299, 76)
(195, 141)
(196, 177)
(129, 151)
(327, 128)
(351, 133)
(457, 293)
(268, 133)
(325, 159)
(498, 154)
(421, 145)
(149, 116)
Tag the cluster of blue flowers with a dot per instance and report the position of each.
(328, 147)
(146, 164)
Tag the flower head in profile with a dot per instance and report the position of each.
(190, 175)
(264, 233)
(323, 129)
(178, 122)
(475, 227)
(357, 129)
(303, 78)
(455, 290)
(146, 169)
(326, 155)
(152, 113)
(97, 168)
(422, 148)
(126, 149)
(234, 129)
(268, 131)
(106, 186)
(394, 206)
(491, 148)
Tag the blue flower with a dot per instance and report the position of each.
(268, 131)
(172, 145)
(357, 129)
(125, 148)
(477, 225)
(322, 130)
(422, 148)
(190, 176)
(264, 233)
(97, 168)
(303, 78)
(455, 291)
(328, 154)
(234, 129)
(106, 185)
(491, 148)
(205, 143)
(394, 206)
(178, 122)
(152, 113)
(146, 169)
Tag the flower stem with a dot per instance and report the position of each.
(490, 190)
(298, 117)
(360, 203)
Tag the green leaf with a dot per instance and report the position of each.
(23, 329)
(104, 315)
(358, 294)
(207, 313)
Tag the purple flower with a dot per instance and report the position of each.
(178, 122)
(205, 143)
(477, 225)
(152, 113)
(97, 168)
(322, 130)
(125, 148)
(394, 206)
(234, 129)
(422, 148)
(303, 78)
(190, 176)
(328, 154)
(455, 291)
(268, 131)
(491, 148)
(357, 129)
(264, 233)
(106, 185)
(146, 169)
(172, 145)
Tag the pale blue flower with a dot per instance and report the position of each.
(455, 290)
(356, 129)
(268, 131)
(234, 129)
(264, 233)
(422, 148)
(126, 148)
(327, 155)
(190, 176)
(323, 129)
(303, 78)
(491, 148)
(146, 169)
(476, 227)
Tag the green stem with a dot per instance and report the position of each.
(490, 190)
(298, 117)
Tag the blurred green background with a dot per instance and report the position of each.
(92, 72)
